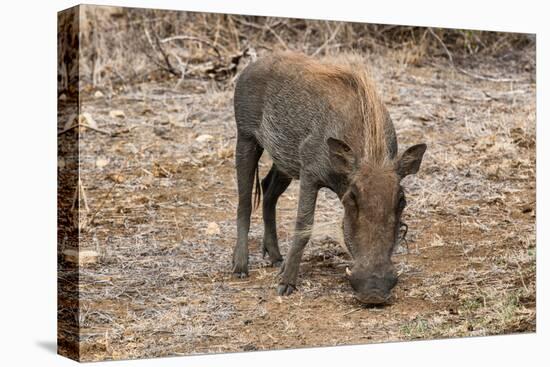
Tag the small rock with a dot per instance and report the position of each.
(462, 147)
(117, 114)
(250, 347)
(98, 94)
(204, 138)
(213, 229)
(80, 257)
(132, 148)
(86, 119)
(147, 111)
(147, 180)
(62, 97)
(101, 162)
(162, 132)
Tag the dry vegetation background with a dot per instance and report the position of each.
(155, 208)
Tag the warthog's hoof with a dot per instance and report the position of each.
(240, 275)
(285, 289)
(276, 263)
(276, 260)
(240, 271)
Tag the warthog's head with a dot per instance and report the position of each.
(373, 203)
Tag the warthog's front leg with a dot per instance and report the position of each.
(304, 225)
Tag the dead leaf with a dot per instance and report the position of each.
(86, 119)
(484, 142)
(116, 177)
(83, 120)
(101, 162)
(117, 114)
(213, 229)
(204, 138)
(225, 153)
(160, 171)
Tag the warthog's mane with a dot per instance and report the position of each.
(351, 72)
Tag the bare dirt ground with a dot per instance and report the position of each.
(162, 205)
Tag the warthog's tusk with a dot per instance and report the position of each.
(348, 272)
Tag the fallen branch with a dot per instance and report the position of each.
(168, 65)
(277, 37)
(463, 71)
(196, 39)
(215, 68)
(330, 39)
(102, 203)
(352, 311)
(85, 126)
(443, 45)
(489, 78)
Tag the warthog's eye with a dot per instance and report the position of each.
(402, 201)
(350, 199)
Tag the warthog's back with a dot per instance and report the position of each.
(291, 104)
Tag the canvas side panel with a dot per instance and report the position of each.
(68, 107)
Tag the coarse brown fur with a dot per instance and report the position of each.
(351, 76)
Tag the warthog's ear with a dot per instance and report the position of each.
(341, 156)
(409, 162)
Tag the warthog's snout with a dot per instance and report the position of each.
(373, 287)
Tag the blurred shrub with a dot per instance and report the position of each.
(125, 45)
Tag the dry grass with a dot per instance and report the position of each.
(162, 285)
(126, 45)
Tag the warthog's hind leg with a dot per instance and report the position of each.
(247, 154)
(273, 185)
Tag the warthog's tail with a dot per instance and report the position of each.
(258, 189)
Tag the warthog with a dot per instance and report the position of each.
(325, 125)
